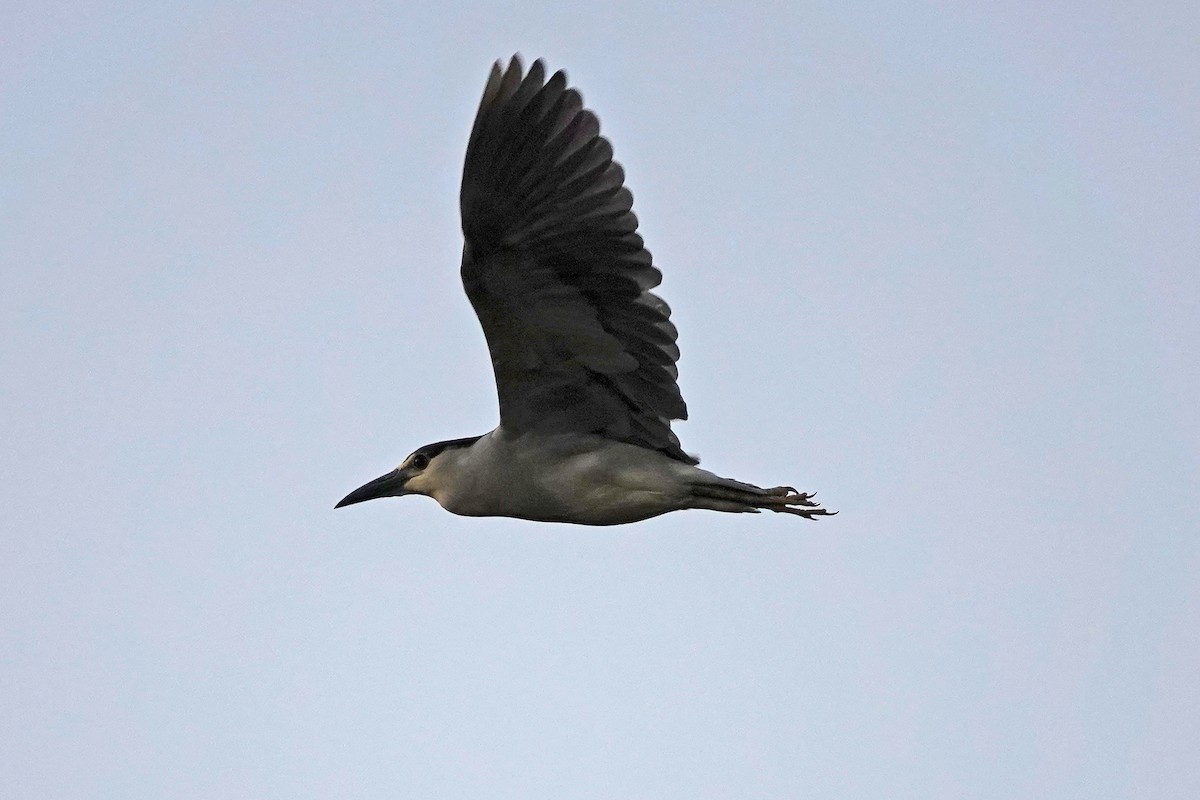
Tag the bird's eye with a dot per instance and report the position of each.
(420, 461)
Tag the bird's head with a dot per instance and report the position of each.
(421, 473)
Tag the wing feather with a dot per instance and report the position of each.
(557, 273)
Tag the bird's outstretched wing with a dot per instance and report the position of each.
(557, 273)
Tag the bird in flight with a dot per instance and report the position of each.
(583, 352)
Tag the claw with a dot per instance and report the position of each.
(790, 500)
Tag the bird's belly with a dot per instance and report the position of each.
(609, 506)
(604, 487)
(583, 505)
(600, 508)
(615, 486)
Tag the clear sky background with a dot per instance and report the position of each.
(935, 260)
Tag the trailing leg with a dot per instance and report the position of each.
(725, 494)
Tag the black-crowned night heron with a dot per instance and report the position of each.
(584, 354)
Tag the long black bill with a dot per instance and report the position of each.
(388, 485)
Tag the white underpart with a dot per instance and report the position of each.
(560, 478)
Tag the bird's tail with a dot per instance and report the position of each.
(726, 494)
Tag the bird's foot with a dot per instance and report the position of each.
(785, 499)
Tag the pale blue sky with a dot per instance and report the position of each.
(934, 260)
